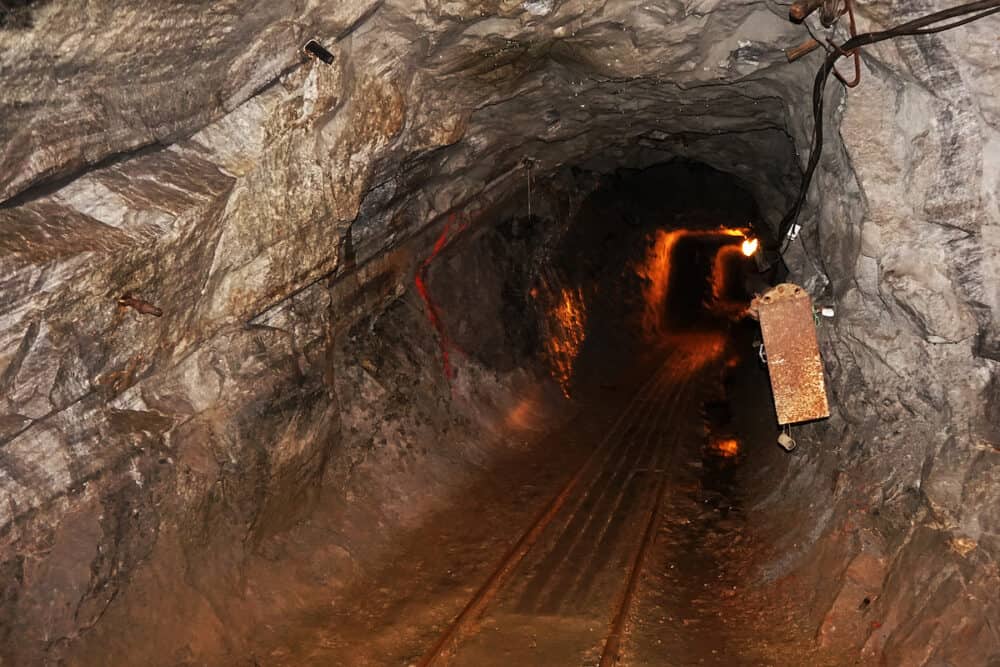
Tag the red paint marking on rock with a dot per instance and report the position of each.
(433, 313)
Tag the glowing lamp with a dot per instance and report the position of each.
(749, 247)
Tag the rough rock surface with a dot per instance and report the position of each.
(191, 157)
(906, 233)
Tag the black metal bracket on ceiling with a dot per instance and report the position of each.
(313, 49)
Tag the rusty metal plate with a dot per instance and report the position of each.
(793, 361)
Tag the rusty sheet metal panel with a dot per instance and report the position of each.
(793, 361)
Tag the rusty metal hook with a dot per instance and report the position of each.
(849, 10)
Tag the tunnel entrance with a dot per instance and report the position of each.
(648, 255)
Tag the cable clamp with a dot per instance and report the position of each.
(793, 232)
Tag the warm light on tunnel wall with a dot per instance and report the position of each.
(656, 266)
(564, 328)
(656, 270)
(727, 257)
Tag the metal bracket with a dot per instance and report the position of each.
(315, 50)
(793, 232)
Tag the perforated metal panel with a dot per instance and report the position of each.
(793, 361)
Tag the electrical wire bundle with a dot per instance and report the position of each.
(925, 25)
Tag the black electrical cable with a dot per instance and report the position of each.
(919, 26)
(970, 19)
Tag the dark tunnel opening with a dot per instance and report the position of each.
(648, 253)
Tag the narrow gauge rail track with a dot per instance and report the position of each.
(591, 504)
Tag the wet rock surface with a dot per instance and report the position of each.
(267, 203)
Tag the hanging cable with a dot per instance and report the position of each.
(925, 25)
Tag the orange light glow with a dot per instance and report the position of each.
(728, 447)
(528, 414)
(723, 255)
(722, 301)
(566, 331)
(655, 268)
(750, 247)
(700, 348)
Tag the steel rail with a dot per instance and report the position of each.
(611, 653)
(513, 557)
(602, 489)
(649, 451)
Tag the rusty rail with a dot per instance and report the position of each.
(611, 653)
(612, 644)
(449, 640)
(507, 564)
(513, 557)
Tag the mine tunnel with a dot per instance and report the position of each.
(513, 333)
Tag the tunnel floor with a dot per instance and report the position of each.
(620, 537)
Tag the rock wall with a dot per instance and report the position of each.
(905, 230)
(193, 158)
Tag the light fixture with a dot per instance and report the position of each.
(749, 247)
